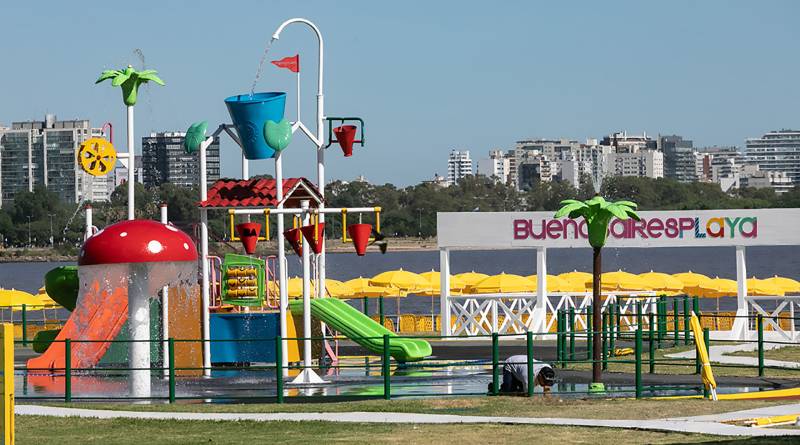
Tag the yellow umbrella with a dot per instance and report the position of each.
(45, 299)
(620, 280)
(787, 284)
(16, 298)
(470, 278)
(662, 282)
(763, 288)
(360, 287)
(691, 281)
(400, 279)
(576, 276)
(337, 289)
(503, 283)
(556, 284)
(718, 287)
(433, 278)
(707, 374)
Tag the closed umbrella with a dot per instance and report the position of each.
(661, 282)
(503, 283)
(788, 285)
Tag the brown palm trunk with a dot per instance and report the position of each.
(597, 369)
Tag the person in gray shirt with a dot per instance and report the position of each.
(515, 375)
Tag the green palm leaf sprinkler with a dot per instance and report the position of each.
(598, 213)
(130, 80)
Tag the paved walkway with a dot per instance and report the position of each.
(718, 353)
(688, 425)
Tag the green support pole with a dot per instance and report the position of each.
(652, 345)
(559, 337)
(380, 309)
(563, 338)
(366, 306)
(618, 327)
(639, 318)
(686, 316)
(662, 319)
(67, 371)
(696, 305)
(529, 344)
(760, 327)
(279, 369)
(605, 340)
(387, 385)
(495, 364)
(171, 364)
(638, 354)
(571, 333)
(707, 342)
(24, 325)
(589, 334)
(675, 325)
(613, 331)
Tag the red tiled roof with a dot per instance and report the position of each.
(228, 193)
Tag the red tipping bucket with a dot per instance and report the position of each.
(346, 135)
(294, 236)
(248, 234)
(360, 235)
(308, 233)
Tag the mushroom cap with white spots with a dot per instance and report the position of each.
(137, 241)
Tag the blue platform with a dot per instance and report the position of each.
(263, 327)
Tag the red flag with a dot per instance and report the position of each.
(290, 63)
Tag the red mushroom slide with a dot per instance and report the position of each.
(138, 255)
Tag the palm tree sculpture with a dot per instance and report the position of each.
(130, 80)
(598, 214)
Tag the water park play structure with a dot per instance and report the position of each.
(125, 265)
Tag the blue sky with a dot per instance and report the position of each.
(426, 76)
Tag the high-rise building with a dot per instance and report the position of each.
(497, 166)
(681, 160)
(776, 151)
(165, 160)
(45, 152)
(459, 165)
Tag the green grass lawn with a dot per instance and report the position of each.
(666, 365)
(478, 406)
(48, 430)
(787, 353)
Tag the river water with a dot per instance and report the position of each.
(762, 262)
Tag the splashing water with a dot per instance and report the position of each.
(138, 53)
(261, 66)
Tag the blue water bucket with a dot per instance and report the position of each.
(249, 113)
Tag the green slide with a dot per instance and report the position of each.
(355, 325)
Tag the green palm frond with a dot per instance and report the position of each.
(151, 76)
(617, 211)
(568, 208)
(108, 74)
(630, 204)
(120, 79)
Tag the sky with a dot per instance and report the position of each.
(426, 77)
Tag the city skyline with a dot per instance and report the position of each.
(484, 78)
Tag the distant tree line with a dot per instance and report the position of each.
(409, 211)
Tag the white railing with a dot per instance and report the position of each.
(514, 313)
(771, 317)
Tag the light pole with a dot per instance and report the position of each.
(51, 229)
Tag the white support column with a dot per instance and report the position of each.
(540, 310)
(308, 375)
(164, 309)
(740, 328)
(444, 300)
(283, 296)
(131, 166)
(139, 325)
(205, 286)
(88, 230)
